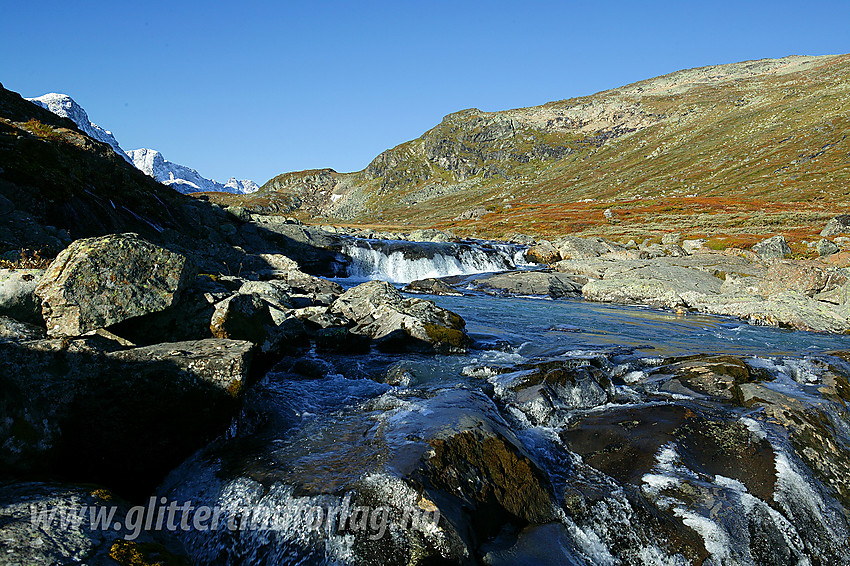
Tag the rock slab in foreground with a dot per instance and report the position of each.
(96, 282)
(123, 418)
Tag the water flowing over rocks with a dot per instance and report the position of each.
(97, 282)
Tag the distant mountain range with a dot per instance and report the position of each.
(179, 177)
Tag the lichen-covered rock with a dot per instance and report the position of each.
(32, 530)
(656, 285)
(378, 310)
(788, 309)
(276, 293)
(318, 290)
(543, 252)
(824, 247)
(573, 247)
(431, 286)
(121, 418)
(96, 282)
(774, 247)
(241, 317)
(806, 277)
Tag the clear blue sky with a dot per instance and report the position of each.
(254, 89)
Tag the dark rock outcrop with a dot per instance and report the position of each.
(121, 418)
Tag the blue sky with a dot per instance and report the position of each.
(254, 89)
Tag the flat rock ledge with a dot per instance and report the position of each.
(123, 418)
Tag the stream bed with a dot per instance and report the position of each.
(599, 435)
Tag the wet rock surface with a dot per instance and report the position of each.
(379, 311)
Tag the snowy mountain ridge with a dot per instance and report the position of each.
(66, 107)
(184, 179)
(150, 161)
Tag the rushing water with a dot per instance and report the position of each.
(325, 425)
(403, 262)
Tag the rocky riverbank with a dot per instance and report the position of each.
(760, 286)
(120, 359)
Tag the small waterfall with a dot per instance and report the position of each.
(403, 262)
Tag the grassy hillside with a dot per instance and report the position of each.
(714, 151)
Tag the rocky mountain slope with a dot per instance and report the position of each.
(151, 162)
(711, 150)
(57, 184)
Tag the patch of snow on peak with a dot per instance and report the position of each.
(66, 107)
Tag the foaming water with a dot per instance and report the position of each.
(308, 442)
(403, 262)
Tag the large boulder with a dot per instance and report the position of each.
(555, 285)
(656, 285)
(378, 310)
(806, 277)
(543, 252)
(824, 247)
(96, 282)
(573, 247)
(241, 317)
(17, 294)
(837, 226)
(122, 418)
(773, 248)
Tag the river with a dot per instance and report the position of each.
(633, 474)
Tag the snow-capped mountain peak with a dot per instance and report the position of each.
(183, 179)
(65, 106)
